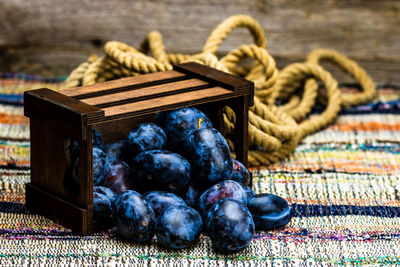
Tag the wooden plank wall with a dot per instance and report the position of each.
(53, 36)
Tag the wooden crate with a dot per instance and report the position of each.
(114, 108)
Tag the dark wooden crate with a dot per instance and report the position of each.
(114, 108)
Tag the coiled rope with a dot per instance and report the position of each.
(274, 130)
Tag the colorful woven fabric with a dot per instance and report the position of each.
(343, 184)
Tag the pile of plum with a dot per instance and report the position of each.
(175, 179)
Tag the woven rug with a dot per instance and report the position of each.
(343, 184)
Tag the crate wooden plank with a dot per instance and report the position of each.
(212, 75)
(47, 204)
(123, 84)
(167, 100)
(145, 93)
(61, 109)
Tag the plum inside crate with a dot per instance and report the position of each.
(114, 108)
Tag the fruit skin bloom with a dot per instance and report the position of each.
(225, 189)
(178, 123)
(178, 227)
(269, 211)
(133, 217)
(229, 225)
(147, 136)
(160, 170)
(162, 200)
(209, 155)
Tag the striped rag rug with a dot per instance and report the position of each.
(343, 184)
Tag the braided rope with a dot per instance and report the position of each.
(274, 131)
(351, 67)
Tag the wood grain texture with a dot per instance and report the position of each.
(145, 93)
(119, 85)
(54, 35)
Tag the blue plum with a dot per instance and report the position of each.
(178, 227)
(229, 225)
(103, 198)
(269, 211)
(161, 200)
(225, 189)
(249, 192)
(209, 156)
(190, 194)
(117, 151)
(147, 136)
(97, 139)
(160, 170)
(99, 164)
(179, 122)
(133, 217)
(117, 177)
(240, 173)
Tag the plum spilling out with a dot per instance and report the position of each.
(180, 122)
(190, 182)
(178, 227)
(99, 163)
(209, 156)
(147, 136)
(240, 173)
(269, 211)
(229, 225)
(133, 217)
(162, 200)
(97, 139)
(103, 199)
(225, 189)
(117, 177)
(117, 151)
(160, 170)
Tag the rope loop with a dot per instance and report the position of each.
(227, 26)
(282, 100)
(351, 67)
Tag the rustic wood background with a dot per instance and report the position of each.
(51, 37)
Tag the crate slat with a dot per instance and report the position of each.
(164, 101)
(138, 94)
(123, 84)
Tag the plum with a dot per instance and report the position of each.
(117, 151)
(147, 136)
(97, 139)
(225, 189)
(249, 192)
(99, 163)
(103, 198)
(209, 156)
(117, 177)
(269, 211)
(161, 200)
(229, 225)
(133, 217)
(179, 122)
(178, 227)
(240, 173)
(160, 170)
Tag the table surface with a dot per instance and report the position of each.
(342, 182)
